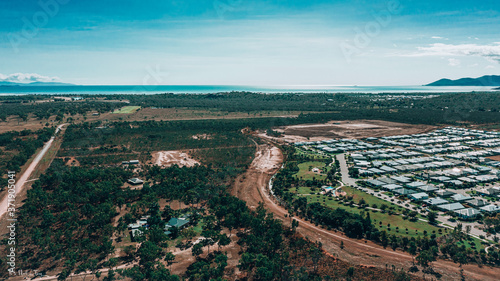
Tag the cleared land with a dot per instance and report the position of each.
(306, 172)
(175, 157)
(349, 130)
(127, 110)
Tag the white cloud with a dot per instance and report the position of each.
(454, 62)
(490, 52)
(27, 78)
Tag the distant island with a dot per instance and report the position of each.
(488, 80)
(15, 84)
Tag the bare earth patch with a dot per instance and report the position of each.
(349, 130)
(174, 157)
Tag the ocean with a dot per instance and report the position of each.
(204, 89)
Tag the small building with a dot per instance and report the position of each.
(476, 203)
(467, 214)
(490, 209)
(414, 185)
(135, 181)
(133, 162)
(404, 191)
(441, 179)
(436, 201)
(444, 193)
(460, 197)
(402, 179)
(392, 187)
(428, 188)
(375, 183)
(451, 207)
(419, 196)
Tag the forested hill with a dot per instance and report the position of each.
(487, 80)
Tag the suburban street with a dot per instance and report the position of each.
(442, 217)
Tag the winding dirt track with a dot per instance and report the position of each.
(252, 187)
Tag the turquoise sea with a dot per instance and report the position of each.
(87, 90)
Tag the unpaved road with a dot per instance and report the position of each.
(4, 205)
(253, 188)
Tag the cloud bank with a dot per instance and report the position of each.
(490, 52)
(27, 78)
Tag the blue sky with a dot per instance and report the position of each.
(243, 42)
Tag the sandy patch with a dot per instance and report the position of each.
(202, 137)
(267, 159)
(175, 157)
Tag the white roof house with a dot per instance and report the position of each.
(491, 208)
(468, 213)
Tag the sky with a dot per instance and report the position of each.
(243, 42)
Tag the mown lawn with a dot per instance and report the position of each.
(305, 172)
(415, 229)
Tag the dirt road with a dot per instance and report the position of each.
(4, 205)
(253, 188)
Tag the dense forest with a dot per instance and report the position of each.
(70, 217)
(439, 108)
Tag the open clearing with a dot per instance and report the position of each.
(349, 130)
(127, 110)
(175, 157)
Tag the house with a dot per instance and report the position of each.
(387, 180)
(135, 228)
(428, 188)
(476, 203)
(460, 197)
(441, 179)
(135, 181)
(419, 196)
(404, 191)
(467, 214)
(179, 223)
(375, 183)
(392, 187)
(455, 183)
(402, 179)
(488, 191)
(436, 201)
(490, 208)
(451, 207)
(414, 185)
(444, 193)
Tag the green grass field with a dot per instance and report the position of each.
(305, 170)
(415, 229)
(127, 110)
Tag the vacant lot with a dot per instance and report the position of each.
(127, 110)
(170, 158)
(350, 130)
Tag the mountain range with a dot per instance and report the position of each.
(487, 80)
(15, 84)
